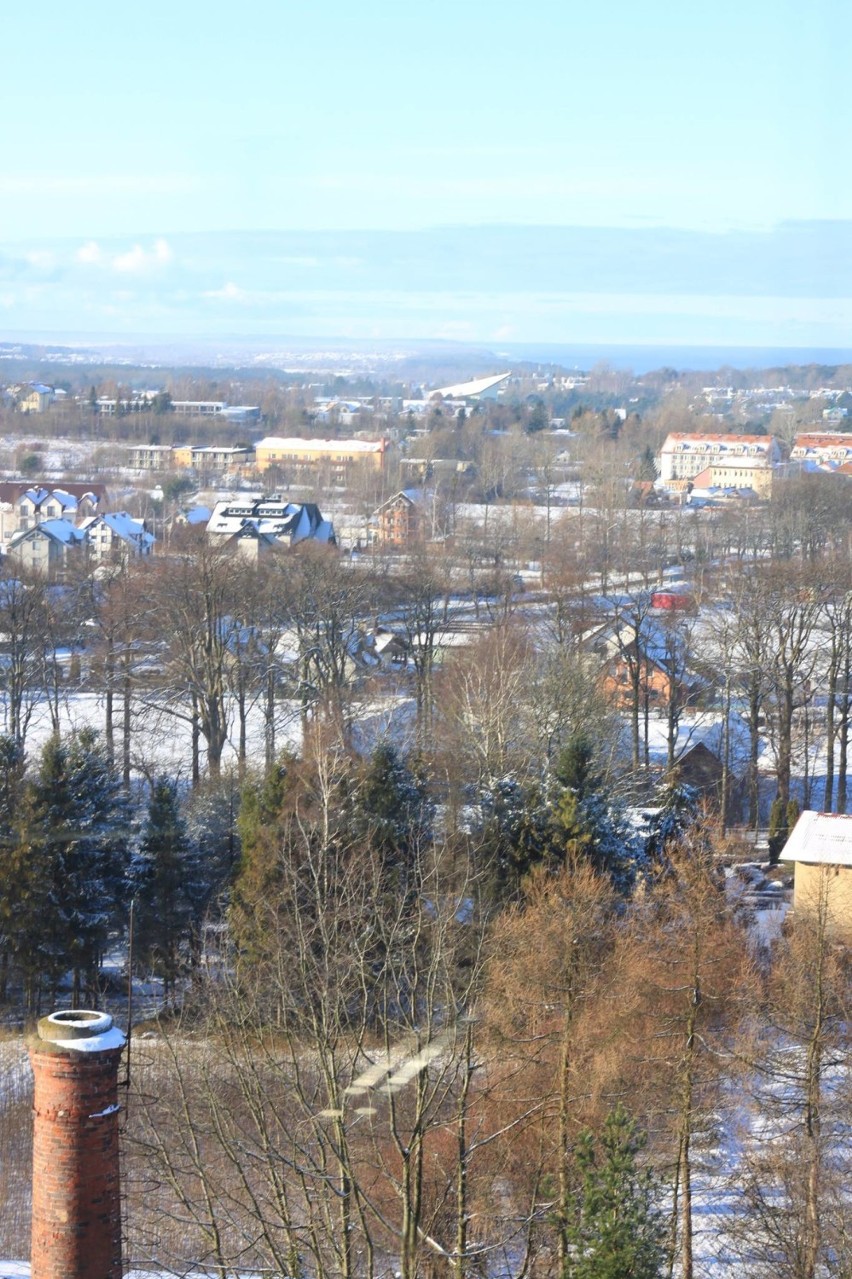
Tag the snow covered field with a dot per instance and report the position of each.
(162, 741)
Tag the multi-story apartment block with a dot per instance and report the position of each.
(822, 447)
(333, 459)
(685, 455)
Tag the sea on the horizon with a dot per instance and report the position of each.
(645, 358)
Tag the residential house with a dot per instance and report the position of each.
(23, 506)
(381, 649)
(656, 655)
(702, 770)
(655, 682)
(398, 522)
(47, 548)
(116, 535)
(275, 520)
(35, 397)
(820, 846)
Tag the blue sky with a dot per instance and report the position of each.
(146, 144)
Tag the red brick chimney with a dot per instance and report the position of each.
(76, 1192)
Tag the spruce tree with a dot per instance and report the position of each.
(388, 809)
(67, 863)
(164, 876)
(258, 881)
(11, 779)
(778, 830)
(618, 1232)
(584, 823)
(90, 839)
(28, 916)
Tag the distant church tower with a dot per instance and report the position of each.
(76, 1232)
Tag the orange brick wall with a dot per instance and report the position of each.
(76, 1230)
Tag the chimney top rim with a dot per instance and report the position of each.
(80, 1030)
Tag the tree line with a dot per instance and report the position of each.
(412, 1053)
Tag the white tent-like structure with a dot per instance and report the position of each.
(483, 388)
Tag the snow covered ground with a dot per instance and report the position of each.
(162, 741)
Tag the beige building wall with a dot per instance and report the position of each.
(38, 554)
(758, 478)
(309, 454)
(811, 881)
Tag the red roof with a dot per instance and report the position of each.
(720, 439)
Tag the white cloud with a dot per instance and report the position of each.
(90, 254)
(229, 292)
(138, 261)
(108, 184)
(42, 259)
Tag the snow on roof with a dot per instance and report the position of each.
(731, 440)
(476, 387)
(821, 838)
(124, 525)
(298, 445)
(60, 530)
(272, 517)
(199, 515)
(121, 525)
(706, 727)
(65, 499)
(220, 449)
(823, 439)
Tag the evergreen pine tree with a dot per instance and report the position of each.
(28, 917)
(647, 469)
(90, 856)
(575, 766)
(11, 778)
(778, 831)
(677, 813)
(67, 865)
(388, 808)
(539, 418)
(618, 1232)
(583, 823)
(257, 882)
(164, 881)
(211, 815)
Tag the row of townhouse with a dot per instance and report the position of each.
(23, 506)
(50, 547)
